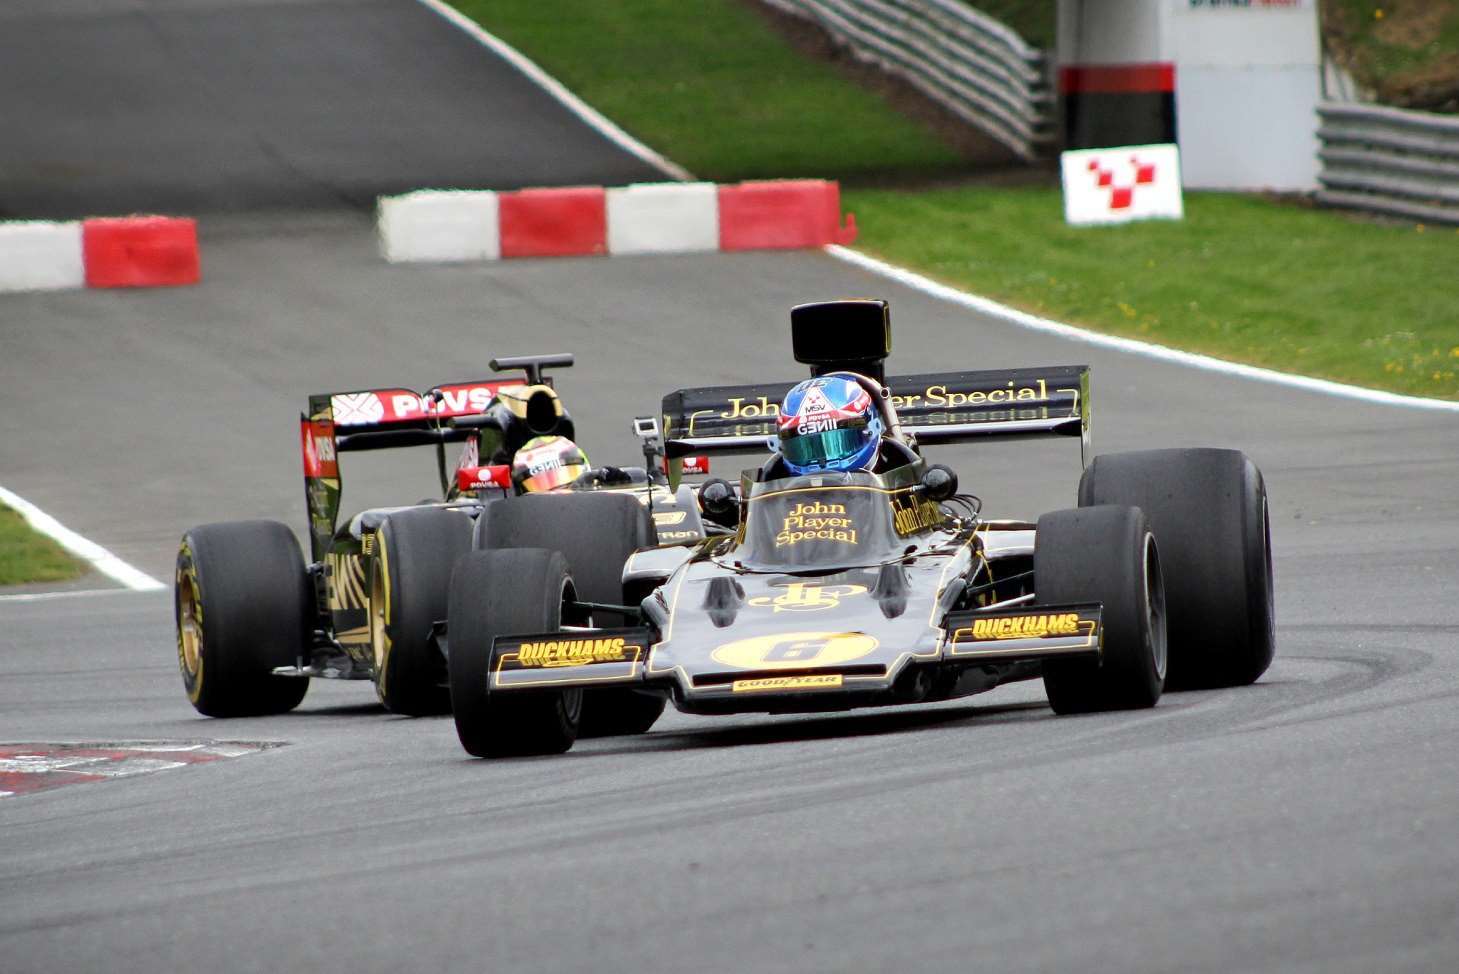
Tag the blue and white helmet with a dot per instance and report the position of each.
(829, 423)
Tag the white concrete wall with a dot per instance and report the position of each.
(1247, 83)
(1247, 80)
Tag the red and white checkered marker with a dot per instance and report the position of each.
(1139, 182)
(28, 768)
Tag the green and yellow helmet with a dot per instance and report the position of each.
(547, 463)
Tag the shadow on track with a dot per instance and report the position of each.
(780, 730)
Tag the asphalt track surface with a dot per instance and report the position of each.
(199, 106)
(1306, 823)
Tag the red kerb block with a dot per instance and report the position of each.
(140, 251)
(554, 222)
(783, 214)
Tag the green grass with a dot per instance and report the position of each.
(710, 85)
(26, 556)
(1406, 51)
(713, 87)
(1241, 278)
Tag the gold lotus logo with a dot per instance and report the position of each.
(800, 597)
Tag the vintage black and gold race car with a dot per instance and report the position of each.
(831, 591)
(255, 622)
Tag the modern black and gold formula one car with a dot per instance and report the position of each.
(255, 621)
(830, 591)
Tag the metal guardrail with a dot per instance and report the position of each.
(971, 64)
(1389, 160)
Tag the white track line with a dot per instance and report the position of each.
(63, 594)
(1023, 319)
(555, 88)
(101, 559)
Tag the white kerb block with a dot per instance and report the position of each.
(663, 218)
(439, 225)
(41, 256)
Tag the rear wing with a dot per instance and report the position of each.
(934, 408)
(379, 419)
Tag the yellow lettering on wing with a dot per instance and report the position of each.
(1027, 626)
(940, 395)
(575, 652)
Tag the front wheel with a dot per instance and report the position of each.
(1107, 555)
(620, 713)
(243, 606)
(1208, 509)
(511, 592)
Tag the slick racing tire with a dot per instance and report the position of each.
(596, 532)
(243, 604)
(504, 593)
(410, 575)
(1208, 509)
(1108, 555)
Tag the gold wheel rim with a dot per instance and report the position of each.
(378, 636)
(189, 630)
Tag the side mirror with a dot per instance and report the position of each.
(475, 478)
(716, 496)
(939, 482)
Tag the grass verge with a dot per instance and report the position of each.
(28, 556)
(1406, 51)
(1242, 278)
(711, 85)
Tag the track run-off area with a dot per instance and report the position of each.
(1305, 823)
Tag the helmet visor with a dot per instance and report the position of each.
(552, 478)
(824, 448)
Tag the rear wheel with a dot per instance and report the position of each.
(243, 605)
(503, 593)
(596, 532)
(409, 579)
(1208, 509)
(1106, 555)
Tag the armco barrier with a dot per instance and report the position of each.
(1389, 160)
(644, 218)
(976, 67)
(782, 215)
(41, 256)
(663, 218)
(554, 222)
(149, 251)
(441, 226)
(134, 251)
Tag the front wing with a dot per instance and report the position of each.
(619, 657)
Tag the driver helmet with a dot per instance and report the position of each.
(828, 423)
(547, 463)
